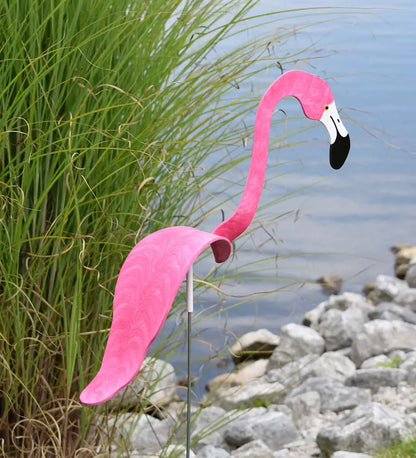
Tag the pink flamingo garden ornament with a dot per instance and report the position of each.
(155, 268)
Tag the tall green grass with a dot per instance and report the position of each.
(106, 111)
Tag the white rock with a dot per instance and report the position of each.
(247, 395)
(140, 432)
(293, 373)
(296, 341)
(254, 449)
(339, 327)
(305, 409)
(376, 361)
(410, 277)
(244, 373)
(366, 428)
(379, 337)
(275, 429)
(335, 396)
(155, 384)
(254, 345)
(209, 451)
(342, 454)
(376, 377)
(334, 365)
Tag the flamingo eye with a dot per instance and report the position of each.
(326, 107)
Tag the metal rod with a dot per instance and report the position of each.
(190, 309)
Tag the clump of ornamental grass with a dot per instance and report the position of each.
(107, 110)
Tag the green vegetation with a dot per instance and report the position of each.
(405, 449)
(108, 110)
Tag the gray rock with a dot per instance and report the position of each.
(254, 449)
(376, 361)
(342, 454)
(209, 427)
(410, 277)
(209, 451)
(387, 288)
(254, 345)
(296, 341)
(347, 300)
(334, 395)
(312, 317)
(376, 378)
(155, 384)
(390, 311)
(404, 254)
(339, 328)
(334, 365)
(379, 337)
(305, 409)
(239, 433)
(141, 433)
(244, 373)
(176, 450)
(366, 428)
(293, 373)
(331, 284)
(275, 429)
(407, 298)
(247, 395)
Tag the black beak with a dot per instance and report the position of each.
(338, 151)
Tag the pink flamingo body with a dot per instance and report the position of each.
(154, 270)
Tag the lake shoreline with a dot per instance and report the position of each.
(340, 385)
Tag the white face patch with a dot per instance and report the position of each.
(331, 120)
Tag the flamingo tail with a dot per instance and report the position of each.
(146, 288)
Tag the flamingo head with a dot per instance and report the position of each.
(338, 136)
(317, 101)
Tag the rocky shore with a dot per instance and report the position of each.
(342, 384)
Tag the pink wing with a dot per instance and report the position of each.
(146, 287)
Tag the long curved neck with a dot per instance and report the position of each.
(294, 83)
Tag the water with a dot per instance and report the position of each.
(349, 219)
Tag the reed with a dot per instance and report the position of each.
(108, 109)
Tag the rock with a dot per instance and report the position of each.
(209, 451)
(305, 409)
(404, 254)
(291, 374)
(333, 365)
(139, 432)
(347, 300)
(331, 284)
(254, 345)
(376, 378)
(339, 328)
(245, 373)
(366, 428)
(386, 289)
(407, 298)
(209, 427)
(275, 429)
(379, 336)
(334, 395)
(176, 450)
(342, 454)
(312, 317)
(410, 277)
(390, 311)
(376, 361)
(296, 341)
(256, 393)
(254, 449)
(155, 384)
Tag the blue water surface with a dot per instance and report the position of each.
(345, 221)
